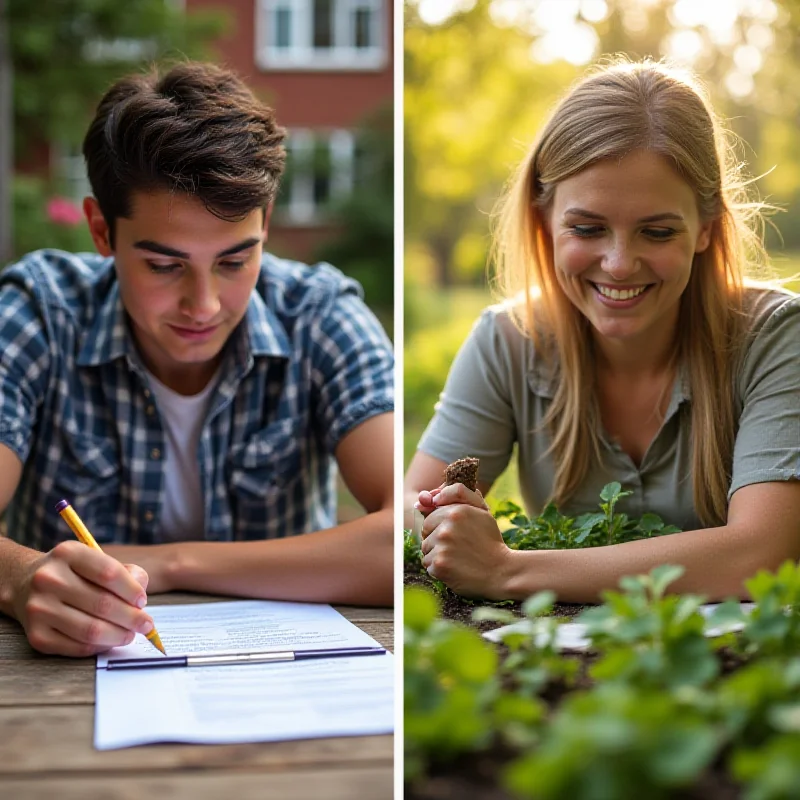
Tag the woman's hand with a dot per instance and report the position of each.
(76, 601)
(462, 544)
(446, 495)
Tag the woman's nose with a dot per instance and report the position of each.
(620, 262)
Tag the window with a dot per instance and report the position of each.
(321, 34)
(319, 171)
(69, 169)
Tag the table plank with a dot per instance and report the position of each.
(331, 784)
(28, 678)
(46, 740)
(58, 739)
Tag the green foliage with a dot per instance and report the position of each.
(32, 228)
(771, 772)
(649, 639)
(759, 700)
(450, 685)
(412, 555)
(620, 742)
(773, 628)
(533, 660)
(657, 715)
(551, 530)
(66, 54)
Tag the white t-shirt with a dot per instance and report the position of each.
(182, 416)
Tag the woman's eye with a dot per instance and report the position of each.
(162, 269)
(586, 230)
(659, 233)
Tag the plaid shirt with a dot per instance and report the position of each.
(308, 363)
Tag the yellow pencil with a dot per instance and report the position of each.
(82, 532)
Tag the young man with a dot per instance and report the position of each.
(187, 392)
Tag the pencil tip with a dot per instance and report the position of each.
(155, 640)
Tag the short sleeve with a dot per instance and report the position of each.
(352, 366)
(24, 361)
(474, 415)
(768, 439)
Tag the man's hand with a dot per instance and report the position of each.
(462, 544)
(76, 601)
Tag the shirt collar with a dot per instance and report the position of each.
(542, 380)
(109, 337)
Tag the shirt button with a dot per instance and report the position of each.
(155, 454)
(150, 410)
(147, 393)
(148, 515)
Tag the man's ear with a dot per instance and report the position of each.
(98, 227)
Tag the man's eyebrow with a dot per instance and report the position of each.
(582, 212)
(164, 250)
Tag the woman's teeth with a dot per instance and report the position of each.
(620, 294)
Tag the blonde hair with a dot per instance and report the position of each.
(621, 107)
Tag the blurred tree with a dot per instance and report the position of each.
(364, 248)
(479, 81)
(65, 54)
(6, 135)
(473, 99)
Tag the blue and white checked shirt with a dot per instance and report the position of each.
(308, 363)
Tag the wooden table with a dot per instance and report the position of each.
(47, 726)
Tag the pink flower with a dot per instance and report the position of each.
(63, 212)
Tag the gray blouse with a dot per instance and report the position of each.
(498, 392)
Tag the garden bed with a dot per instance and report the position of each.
(754, 724)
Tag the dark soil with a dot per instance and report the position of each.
(476, 776)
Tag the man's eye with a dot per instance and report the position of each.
(586, 231)
(162, 269)
(233, 265)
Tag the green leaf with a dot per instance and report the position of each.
(650, 523)
(538, 604)
(663, 575)
(420, 608)
(467, 656)
(611, 492)
(491, 614)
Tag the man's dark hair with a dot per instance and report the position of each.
(198, 130)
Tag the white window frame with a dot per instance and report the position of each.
(301, 55)
(69, 167)
(300, 209)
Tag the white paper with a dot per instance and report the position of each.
(245, 702)
(572, 635)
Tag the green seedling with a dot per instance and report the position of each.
(650, 639)
(620, 742)
(533, 660)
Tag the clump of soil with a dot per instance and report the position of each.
(465, 471)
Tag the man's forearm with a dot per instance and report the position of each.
(14, 563)
(351, 563)
(716, 560)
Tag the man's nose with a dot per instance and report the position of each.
(202, 299)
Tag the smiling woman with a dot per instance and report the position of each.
(629, 348)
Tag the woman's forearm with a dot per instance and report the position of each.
(717, 562)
